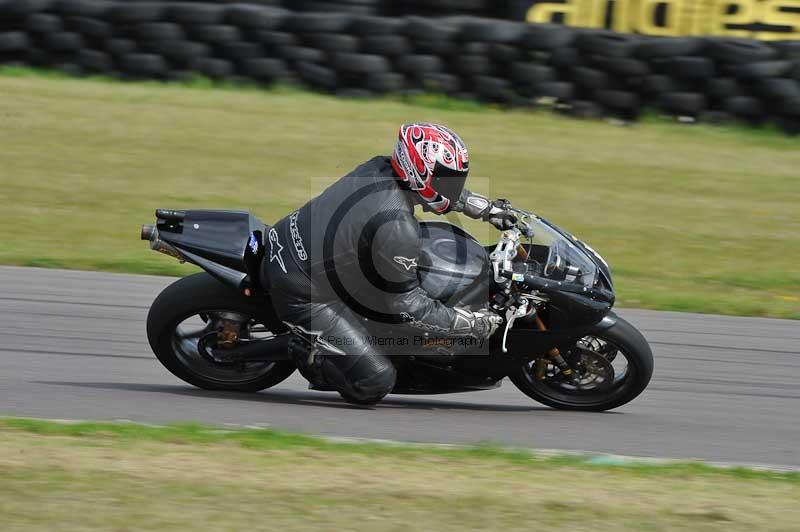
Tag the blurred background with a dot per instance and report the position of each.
(698, 217)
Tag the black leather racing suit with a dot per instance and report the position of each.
(348, 256)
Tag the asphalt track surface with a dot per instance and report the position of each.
(725, 389)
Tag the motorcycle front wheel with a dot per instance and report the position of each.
(183, 327)
(612, 367)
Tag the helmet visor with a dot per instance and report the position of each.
(448, 182)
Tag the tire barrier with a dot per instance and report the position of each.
(585, 73)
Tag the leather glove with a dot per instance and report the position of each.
(498, 215)
(480, 324)
(486, 323)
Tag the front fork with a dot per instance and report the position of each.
(540, 366)
(554, 354)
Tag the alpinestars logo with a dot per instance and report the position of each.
(297, 240)
(275, 249)
(406, 262)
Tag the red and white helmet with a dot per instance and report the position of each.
(433, 161)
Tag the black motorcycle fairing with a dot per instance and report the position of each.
(453, 266)
(223, 237)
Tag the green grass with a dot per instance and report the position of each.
(691, 218)
(103, 476)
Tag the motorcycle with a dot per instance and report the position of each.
(560, 343)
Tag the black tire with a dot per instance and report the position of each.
(64, 41)
(15, 40)
(434, 46)
(256, 17)
(763, 69)
(473, 65)
(70, 69)
(240, 51)
(745, 107)
(531, 73)
(779, 89)
(334, 42)
(441, 82)
(317, 22)
(301, 54)
(360, 63)
(146, 65)
(187, 297)
(684, 103)
(387, 82)
(275, 39)
(658, 84)
(607, 43)
(372, 25)
(626, 67)
(190, 13)
(722, 88)
(419, 65)
(15, 9)
(740, 50)
(623, 336)
(492, 89)
(716, 118)
(135, 12)
(663, 47)
(496, 31)
(318, 76)
(694, 68)
(95, 61)
(787, 49)
(160, 31)
(390, 45)
(339, 6)
(590, 78)
(548, 37)
(429, 26)
(564, 57)
(618, 100)
(586, 110)
(503, 53)
(216, 33)
(120, 47)
(180, 52)
(44, 23)
(559, 90)
(213, 68)
(474, 48)
(90, 27)
(265, 69)
(82, 8)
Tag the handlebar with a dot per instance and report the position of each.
(548, 286)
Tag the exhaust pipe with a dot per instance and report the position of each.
(267, 350)
(148, 231)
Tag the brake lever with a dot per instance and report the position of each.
(511, 316)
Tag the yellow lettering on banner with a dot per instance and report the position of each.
(681, 17)
(597, 18)
(646, 20)
(621, 16)
(744, 13)
(698, 18)
(545, 13)
(773, 16)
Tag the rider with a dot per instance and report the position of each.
(350, 256)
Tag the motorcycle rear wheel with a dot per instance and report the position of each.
(199, 297)
(599, 349)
